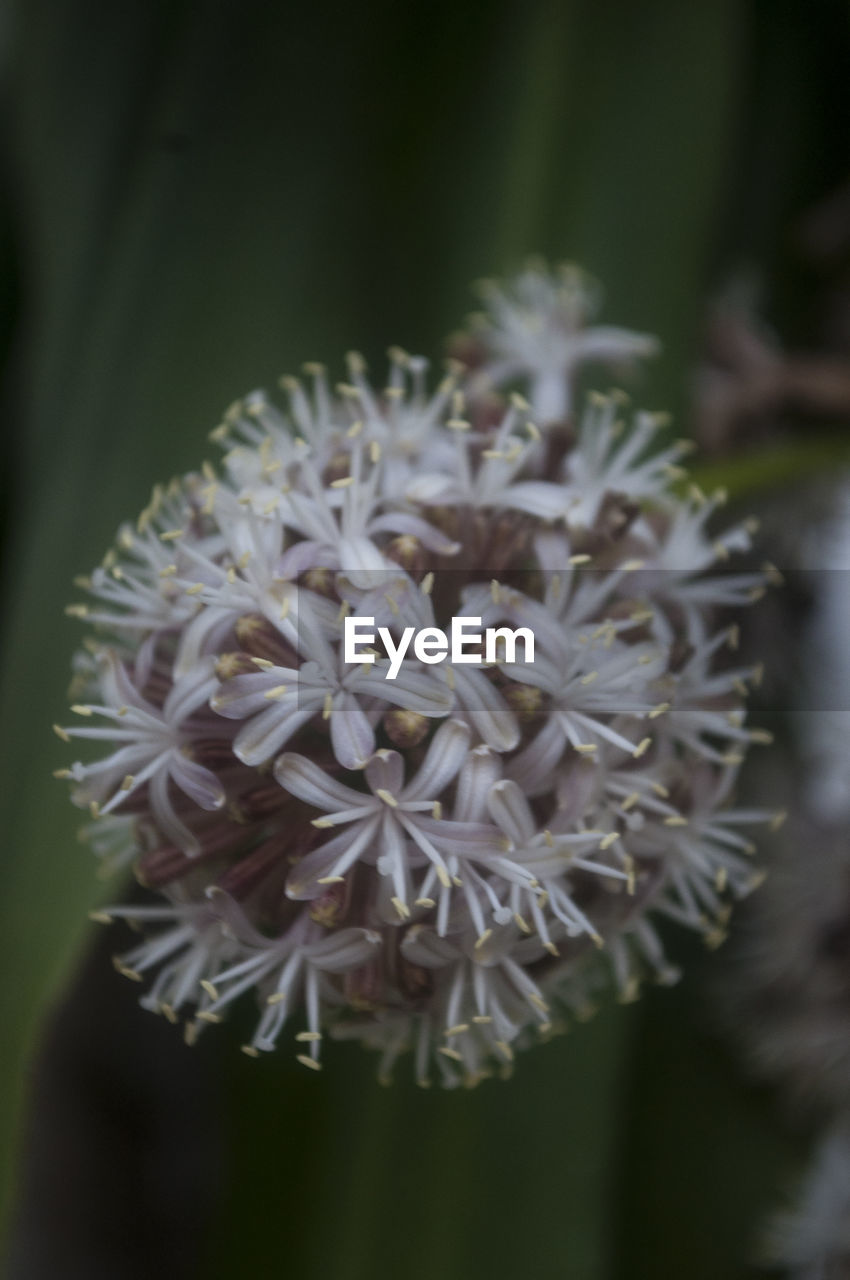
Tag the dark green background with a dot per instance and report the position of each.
(197, 198)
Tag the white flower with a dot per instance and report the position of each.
(535, 330)
(454, 859)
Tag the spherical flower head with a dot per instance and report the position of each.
(444, 852)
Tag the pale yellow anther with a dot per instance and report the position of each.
(630, 801)
(127, 784)
(437, 810)
(427, 584)
(327, 706)
(277, 692)
(456, 1030)
(100, 917)
(308, 1037)
(658, 711)
(263, 663)
(331, 880)
(579, 559)
(387, 797)
(401, 907)
(195, 590)
(589, 678)
(307, 1061)
(322, 823)
(171, 535)
(427, 903)
(61, 733)
(777, 820)
(521, 923)
(443, 876)
(448, 1052)
(676, 820)
(342, 483)
(607, 841)
(482, 938)
(586, 748)
(276, 997)
(641, 748)
(80, 709)
(547, 838)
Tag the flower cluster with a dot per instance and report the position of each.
(446, 860)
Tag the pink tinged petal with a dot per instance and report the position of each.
(309, 783)
(532, 767)
(431, 487)
(344, 949)
(405, 523)
(335, 857)
(413, 690)
(614, 345)
(309, 635)
(510, 810)
(538, 498)
(552, 551)
(385, 772)
(264, 735)
(191, 691)
(196, 782)
(242, 696)
(352, 736)
(203, 635)
(486, 708)
(360, 555)
(443, 760)
(463, 839)
(481, 769)
(166, 817)
(422, 946)
(119, 689)
(302, 556)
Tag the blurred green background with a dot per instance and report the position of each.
(198, 197)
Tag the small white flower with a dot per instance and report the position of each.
(535, 330)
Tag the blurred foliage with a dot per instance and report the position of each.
(198, 197)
